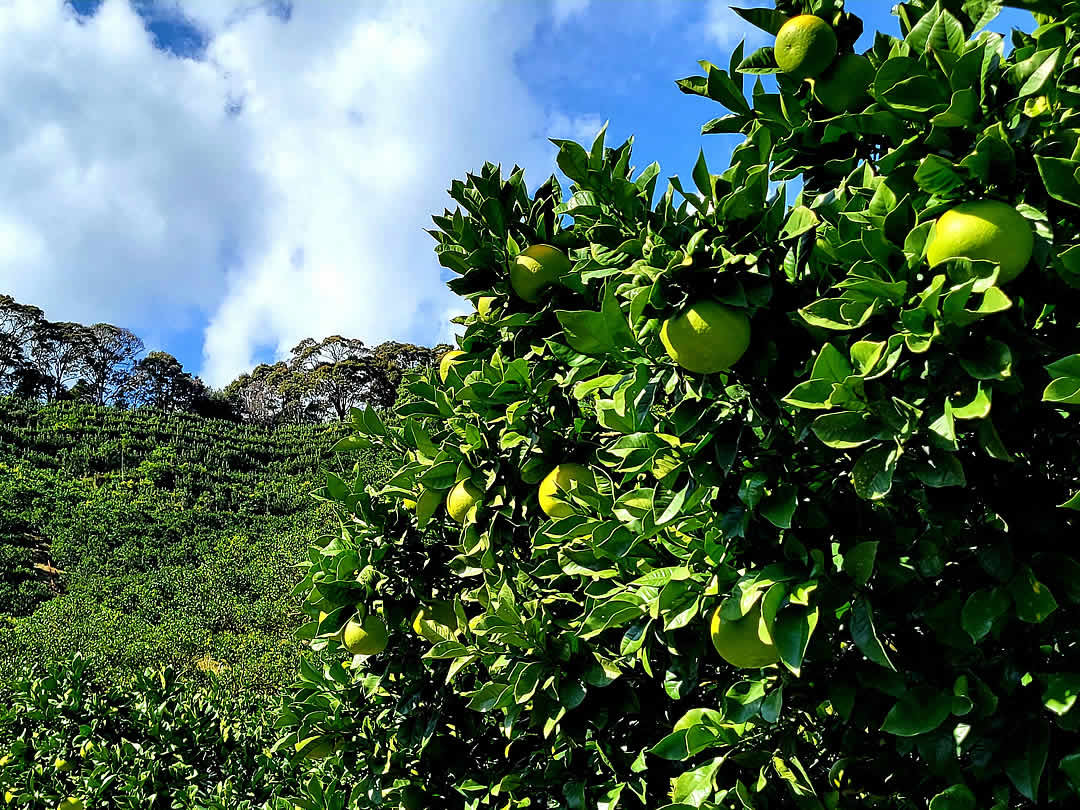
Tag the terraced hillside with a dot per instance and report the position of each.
(143, 538)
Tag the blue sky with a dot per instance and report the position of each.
(226, 177)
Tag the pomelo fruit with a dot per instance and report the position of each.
(984, 229)
(448, 359)
(556, 483)
(738, 642)
(461, 499)
(845, 83)
(71, 803)
(706, 337)
(365, 638)
(535, 268)
(433, 618)
(805, 46)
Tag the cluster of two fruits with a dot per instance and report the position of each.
(806, 48)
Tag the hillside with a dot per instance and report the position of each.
(141, 538)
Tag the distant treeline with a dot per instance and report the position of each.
(102, 364)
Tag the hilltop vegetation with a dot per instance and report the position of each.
(143, 538)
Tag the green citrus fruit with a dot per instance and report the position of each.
(435, 621)
(556, 483)
(448, 360)
(706, 337)
(535, 268)
(71, 803)
(408, 503)
(738, 642)
(845, 83)
(483, 306)
(62, 765)
(461, 499)
(366, 638)
(805, 46)
(986, 229)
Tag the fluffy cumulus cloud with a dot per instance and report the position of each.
(272, 188)
(725, 28)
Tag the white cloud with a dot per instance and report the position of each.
(563, 10)
(725, 28)
(580, 128)
(131, 194)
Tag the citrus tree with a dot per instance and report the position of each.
(733, 498)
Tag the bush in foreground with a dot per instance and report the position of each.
(876, 492)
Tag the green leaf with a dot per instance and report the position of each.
(440, 476)
(830, 364)
(618, 610)
(1065, 367)
(845, 429)
(1059, 177)
(812, 394)
(779, 507)
(936, 175)
(1038, 69)
(977, 408)
(1034, 602)
(586, 331)
(957, 797)
(694, 787)
(1065, 390)
(859, 561)
(838, 314)
(1071, 765)
(701, 176)
(1025, 771)
(1062, 689)
(801, 220)
(760, 62)
(767, 19)
(865, 634)
(920, 710)
(872, 474)
(981, 610)
(792, 629)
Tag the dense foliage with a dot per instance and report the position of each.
(140, 538)
(159, 742)
(885, 481)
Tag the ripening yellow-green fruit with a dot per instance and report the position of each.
(71, 803)
(62, 765)
(365, 638)
(845, 84)
(448, 359)
(535, 268)
(461, 499)
(706, 337)
(436, 621)
(805, 46)
(984, 229)
(739, 642)
(557, 483)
